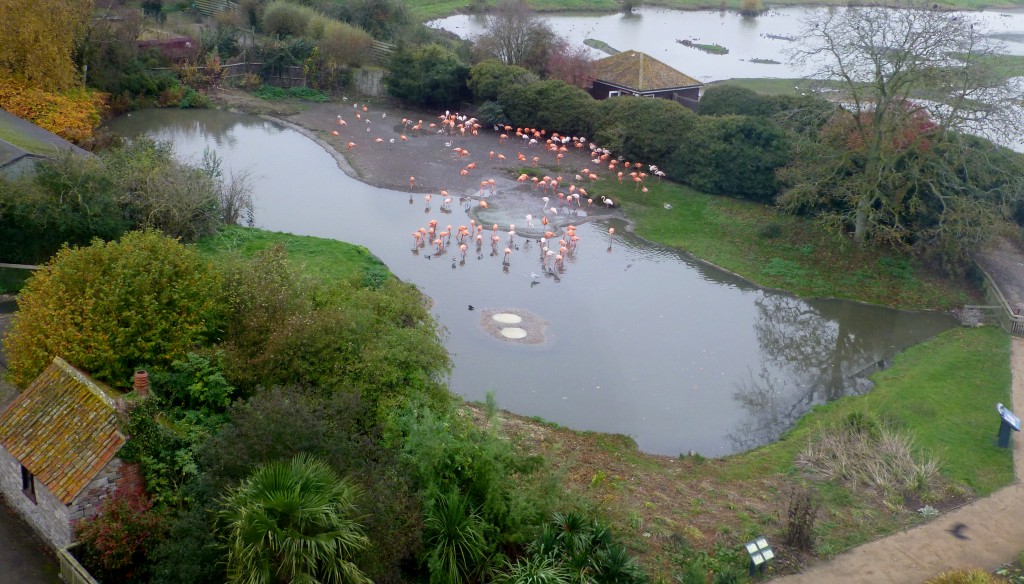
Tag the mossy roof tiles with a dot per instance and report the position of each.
(63, 428)
(640, 72)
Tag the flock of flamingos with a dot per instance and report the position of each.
(558, 200)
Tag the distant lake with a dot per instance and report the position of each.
(655, 31)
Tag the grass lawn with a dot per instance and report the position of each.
(781, 251)
(325, 258)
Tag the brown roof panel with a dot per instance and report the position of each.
(640, 72)
(63, 428)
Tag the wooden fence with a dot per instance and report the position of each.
(71, 572)
(1007, 315)
(290, 76)
(380, 52)
(211, 7)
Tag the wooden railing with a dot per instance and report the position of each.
(1007, 316)
(71, 572)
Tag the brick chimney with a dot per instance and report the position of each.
(141, 383)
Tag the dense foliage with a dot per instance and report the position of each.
(650, 130)
(429, 76)
(285, 328)
(293, 521)
(39, 39)
(733, 155)
(110, 307)
(552, 105)
(487, 79)
(116, 542)
(72, 114)
(72, 199)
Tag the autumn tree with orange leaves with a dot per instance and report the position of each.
(39, 40)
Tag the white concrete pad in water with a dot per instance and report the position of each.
(507, 318)
(513, 332)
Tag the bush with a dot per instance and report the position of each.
(70, 200)
(288, 329)
(430, 76)
(966, 576)
(190, 554)
(732, 155)
(344, 45)
(159, 192)
(641, 128)
(110, 307)
(489, 78)
(800, 519)
(286, 19)
(119, 538)
(552, 105)
(73, 114)
(491, 114)
(73, 199)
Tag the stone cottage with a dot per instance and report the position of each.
(58, 451)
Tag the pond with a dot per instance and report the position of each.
(655, 31)
(638, 339)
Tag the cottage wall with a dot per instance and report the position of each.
(48, 516)
(116, 475)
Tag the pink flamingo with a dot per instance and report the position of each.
(508, 252)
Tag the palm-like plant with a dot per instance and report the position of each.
(586, 550)
(456, 543)
(292, 521)
(535, 570)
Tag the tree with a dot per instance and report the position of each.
(39, 40)
(571, 65)
(911, 79)
(293, 521)
(517, 36)
(111, 307)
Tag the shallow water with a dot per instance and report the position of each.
(655, 31)
(642, 340)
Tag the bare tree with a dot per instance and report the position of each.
(917, 86)
(571, 65)
(517, 36)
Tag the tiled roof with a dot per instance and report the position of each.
(63, 429)
(640, 72)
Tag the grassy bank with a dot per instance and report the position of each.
(324, 258)
(782, 251)
(935, 393)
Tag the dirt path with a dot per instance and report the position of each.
(985, 533)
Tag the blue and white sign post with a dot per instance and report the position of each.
(1007, 422)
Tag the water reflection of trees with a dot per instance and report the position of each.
(811, 353)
